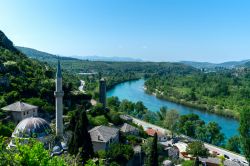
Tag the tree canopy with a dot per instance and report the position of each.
(245, 132)
(197, 149)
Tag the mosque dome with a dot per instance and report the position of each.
(32, 127)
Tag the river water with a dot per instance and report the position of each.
(133, 91)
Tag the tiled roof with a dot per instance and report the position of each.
(128, 128)
(103, 133)
(152, 132)
(19, 106)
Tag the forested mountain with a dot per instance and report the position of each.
(22, 78)
(115, 72)
(43, 56)
(207, 65)
(109, 59)
(6, 43)
(247, 64)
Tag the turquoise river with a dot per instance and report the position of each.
(133, 91)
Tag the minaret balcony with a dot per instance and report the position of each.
(59, 94)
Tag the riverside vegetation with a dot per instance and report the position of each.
(223, 92)
(33, 81)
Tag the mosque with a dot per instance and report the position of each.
(31, 126)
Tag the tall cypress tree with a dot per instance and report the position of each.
(81, 141)
(245, 132)
(197, 161)
(153, 158)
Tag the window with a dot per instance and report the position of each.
(23, 113)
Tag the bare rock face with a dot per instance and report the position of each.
(6, 43)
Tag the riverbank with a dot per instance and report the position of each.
(134, 92)
(121, 81)
(200, 107)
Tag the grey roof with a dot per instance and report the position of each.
(32, 127)
(19, 106)
(128, 128)
(217, 161)
(103, 133)
(125, 117)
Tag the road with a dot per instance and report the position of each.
(82, 86)
(210, 147)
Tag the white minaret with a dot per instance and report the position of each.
(59, 102)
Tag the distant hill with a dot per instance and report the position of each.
(247, 64)
(43, 56)
(207, 65)
(110, 59)
(40, 55)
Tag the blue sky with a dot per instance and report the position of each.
(157, 30)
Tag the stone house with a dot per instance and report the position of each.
(129, 129)
(20, 110)
(103, 136)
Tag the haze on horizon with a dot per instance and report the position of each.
(163, 30)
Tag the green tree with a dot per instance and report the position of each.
(193, 95)
(97, 110)
(162, 113)
(222, 159)
(73, 120)
(139, 109)
(94, 163)
(197, 161)
(146, 146)
(208, 133)
(6, 129)
(153, 158)
(170, 121)
(81, 141)
(113, 102)
(32, 153)
(126, 106)
(233, 144)
(98, 120)
(245, 132)
(197, 149)
(114, 118)
(201, 133)
(120, 153)
(215, 136)
(188, 163)
(187, 124)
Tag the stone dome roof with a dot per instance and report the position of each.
(32, 127)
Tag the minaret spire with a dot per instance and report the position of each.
(59, 101)
(59, 72)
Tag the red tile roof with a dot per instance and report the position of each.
(151, 132)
